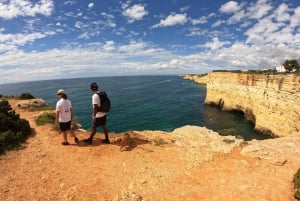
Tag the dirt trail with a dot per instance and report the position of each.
(45, 170)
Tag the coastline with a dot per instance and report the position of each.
(189, 163)
(270, 101)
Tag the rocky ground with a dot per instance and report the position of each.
(190, 163)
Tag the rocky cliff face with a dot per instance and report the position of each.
(272, 102)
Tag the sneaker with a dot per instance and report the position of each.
(88, 141)
(76, 140)
(65, 143)
(106, 141)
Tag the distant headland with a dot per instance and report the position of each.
(270, 100)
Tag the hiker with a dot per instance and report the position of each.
(64, 116)
(99, 118)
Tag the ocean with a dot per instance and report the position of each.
(163, 102)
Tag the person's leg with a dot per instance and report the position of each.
(93, 132)
(94, 127)
(63, 128)
(72, 132)
(65, 136)
(105, 131)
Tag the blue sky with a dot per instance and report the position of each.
(53, 39)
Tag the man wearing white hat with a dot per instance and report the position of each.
(64, 115)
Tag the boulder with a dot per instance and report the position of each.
(31, 103)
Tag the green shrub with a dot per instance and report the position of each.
(25, 96)
(296, 181)
(49, 118)
(228, 131)
(159, 142)
(45, 118)
(13, 130)
(297, 194)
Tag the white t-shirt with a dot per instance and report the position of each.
(96, 100)
(64, 106)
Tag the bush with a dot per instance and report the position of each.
(45, 118)
(25, 96)
(13, 130)
(228, 131)
(49, 118)
(296, 181)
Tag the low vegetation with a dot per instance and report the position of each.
(268, 72)
(45, 118)
(13, 130)
(290, 66)
(26, 96)
(49, 118)
(23, 96)
(159, 142)
(228, 131)
(297, 184)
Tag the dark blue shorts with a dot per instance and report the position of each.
(64, 126)
(100, 121)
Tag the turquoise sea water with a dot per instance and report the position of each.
(140, 103)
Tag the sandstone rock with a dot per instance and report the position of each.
(277, 151)
(31, 103)
(201, 137)
(128, 196)
(270, 101)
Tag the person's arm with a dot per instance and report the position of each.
(95, 106)
(57, 113)
(95, 101)
(57, 117)
(71, 110)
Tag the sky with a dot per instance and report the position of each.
(57, 39)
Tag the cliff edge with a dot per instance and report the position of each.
(270, 101)
(189, 163)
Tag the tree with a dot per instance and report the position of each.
(291, 65)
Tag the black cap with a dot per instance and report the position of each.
(94, 86)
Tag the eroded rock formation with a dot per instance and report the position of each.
(31, 103)
(272, 102)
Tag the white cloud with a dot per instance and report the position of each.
(217, 23)
(109, 46)
(195, 31)
(124, 5)
(136, 12)
(215, 44)
(201, 20)
(230, 7)
(105, 59)
(265, 39)
(78, 24)
(90, 5)
(172, 20)
(69, 2)
(10, 42)
(108, 16)
(260, 9)
(295, 20)
(282, 13)
(14, 8)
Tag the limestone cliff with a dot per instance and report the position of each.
(272, 102)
